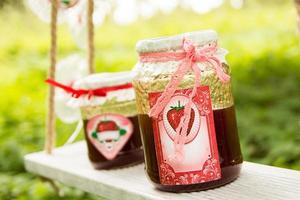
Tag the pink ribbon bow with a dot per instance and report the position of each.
(189, 57)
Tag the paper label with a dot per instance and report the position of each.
(201, 161)
(109, 133)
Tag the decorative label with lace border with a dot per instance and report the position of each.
(200, 160)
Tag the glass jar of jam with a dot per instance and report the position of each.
(108, 110)
(186, 112)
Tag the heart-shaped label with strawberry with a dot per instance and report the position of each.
(173, 113)
(109, 133)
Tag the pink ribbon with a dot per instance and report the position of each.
(188, 57)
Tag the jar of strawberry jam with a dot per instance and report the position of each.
(108, 109)
(186, 112)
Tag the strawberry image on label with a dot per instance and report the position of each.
(109, 133)
(174, 116)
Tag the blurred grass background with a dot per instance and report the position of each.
(264, 56)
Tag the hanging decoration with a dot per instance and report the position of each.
(42, 8)
(73, 13)
(68, 71)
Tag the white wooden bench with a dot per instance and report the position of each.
(70, 166)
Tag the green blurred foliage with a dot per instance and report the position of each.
(15, 3)
(265, 71)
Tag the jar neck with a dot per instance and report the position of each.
(125, 108)
(165, 62)
(188, 64)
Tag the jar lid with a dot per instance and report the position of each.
(174, 42)
(100, 80)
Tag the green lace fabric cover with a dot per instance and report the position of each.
(221, 93)
(126, 108)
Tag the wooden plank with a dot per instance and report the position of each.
(70, 166)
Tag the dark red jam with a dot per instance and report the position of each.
(130, 154)
(230, 156)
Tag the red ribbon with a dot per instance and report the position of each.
(100, 92)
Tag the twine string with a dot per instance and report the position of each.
(90, 35)
(50, 122)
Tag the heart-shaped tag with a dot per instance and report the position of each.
(109, 133)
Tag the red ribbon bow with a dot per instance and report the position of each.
(100, 92)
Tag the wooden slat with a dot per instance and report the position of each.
(70, 166)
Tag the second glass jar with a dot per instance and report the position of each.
(110, 120)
